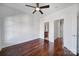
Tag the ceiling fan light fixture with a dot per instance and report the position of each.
(37, 9)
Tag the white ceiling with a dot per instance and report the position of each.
(20, 8)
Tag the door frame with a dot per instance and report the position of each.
(48, 29)
(77, 36)
(63, 26)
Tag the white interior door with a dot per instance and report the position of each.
(78, 35)
(74, 35)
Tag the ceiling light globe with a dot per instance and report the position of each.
(37, 9)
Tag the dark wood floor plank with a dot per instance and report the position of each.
(37, 47)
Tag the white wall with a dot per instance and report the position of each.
(16, 26)
(18, 29)
(1, 32)
(69, 15)
(36, 26)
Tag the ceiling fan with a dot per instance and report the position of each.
(38, 8)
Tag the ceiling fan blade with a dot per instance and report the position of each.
(40, 11)
(30, 6)
(37, 4)
(34, 11)
(46, 6)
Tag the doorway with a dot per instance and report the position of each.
(46, 31)
(58, 36)
(58, 28)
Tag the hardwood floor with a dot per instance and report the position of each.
(36, 47)
(58, 47)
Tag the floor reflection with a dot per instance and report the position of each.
(38, 47)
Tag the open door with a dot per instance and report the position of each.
(58, 28)
(46, 31)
